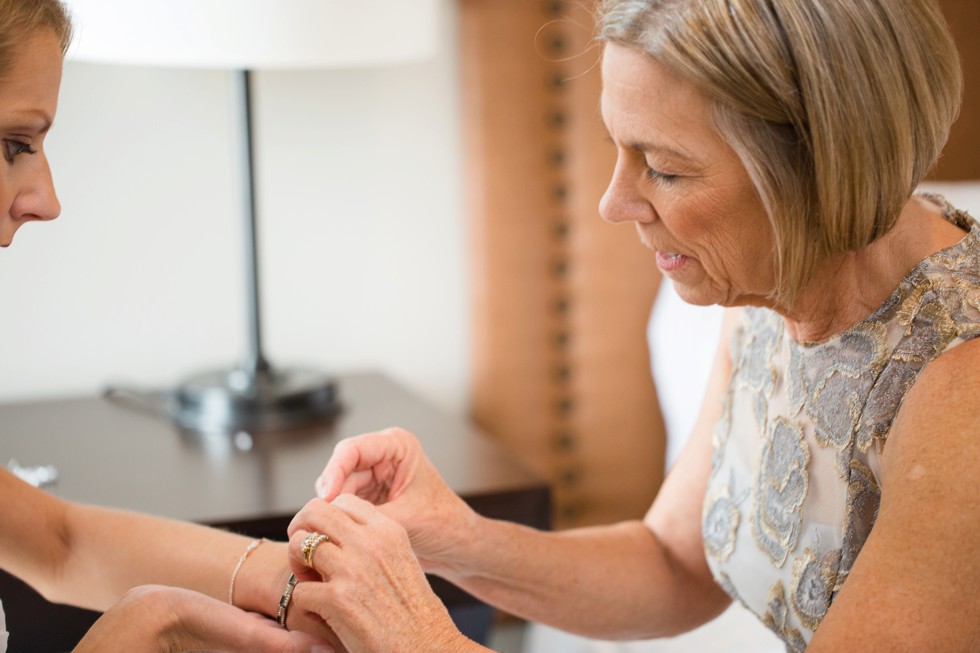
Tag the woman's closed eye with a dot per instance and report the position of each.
(12, 147)
(661, 177)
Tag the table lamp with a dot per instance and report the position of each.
(246, 35)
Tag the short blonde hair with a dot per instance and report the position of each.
(837, 108)
(21, 19)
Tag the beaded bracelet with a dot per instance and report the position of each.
(287, 595)
(254, 544)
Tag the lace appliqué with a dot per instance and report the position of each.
(780, 488)
(720, 523)
(861, 511)
(830, 384)
(814, 580)
(777, 619)
(755, 370)
(930, 326)
(795, 437)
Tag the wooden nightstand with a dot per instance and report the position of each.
(112, 455)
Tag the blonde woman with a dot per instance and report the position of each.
(767, 155)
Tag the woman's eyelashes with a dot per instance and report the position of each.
(11, 148)
(661, 177)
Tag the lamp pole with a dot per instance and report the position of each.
(253, 396)
(255, 362)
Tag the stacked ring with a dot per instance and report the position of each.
(312, 541)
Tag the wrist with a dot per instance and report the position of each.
(450, 640)
(262, 578)
(453, 556)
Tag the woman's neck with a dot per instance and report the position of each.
(847, 288)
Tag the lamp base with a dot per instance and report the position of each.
(235, 400)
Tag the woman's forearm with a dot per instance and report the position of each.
(109, 551)
(90, 556)
(614, 582)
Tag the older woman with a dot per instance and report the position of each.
(89, 556)
(767, 156)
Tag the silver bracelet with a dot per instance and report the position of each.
(287, 595)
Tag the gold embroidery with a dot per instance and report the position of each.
(779, 490)
(860, 513)
(756, 367)
(797, 425)
(847, 367)
(777, 619)
(721, 518)
(929, 330)
(813, 586)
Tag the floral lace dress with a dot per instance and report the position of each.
(794, 491)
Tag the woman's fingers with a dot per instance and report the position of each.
(308, 555)
(374, 595)
(178, 620)
(368, 463)
(323, 526)
(357, 509)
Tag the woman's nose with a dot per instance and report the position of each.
(37, 199)
(622, 202)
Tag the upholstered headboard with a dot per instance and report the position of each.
(561, 299)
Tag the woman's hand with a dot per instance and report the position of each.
(154, 618)
(260, 584)
(389, 469)
(374, 595)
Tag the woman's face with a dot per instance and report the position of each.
(685, 189)
(28, 101)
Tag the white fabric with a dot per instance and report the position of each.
(736, 631)
(682, 340)
(3, 630)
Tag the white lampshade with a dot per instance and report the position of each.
(254, 34)
(245, 36)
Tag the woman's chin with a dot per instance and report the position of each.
(696, 296)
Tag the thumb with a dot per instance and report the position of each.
(328, 484)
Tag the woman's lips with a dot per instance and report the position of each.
(669, 261)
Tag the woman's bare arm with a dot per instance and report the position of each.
(629, 580)
(914, 585)
(90, 556)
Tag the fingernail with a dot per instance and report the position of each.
(319, 648)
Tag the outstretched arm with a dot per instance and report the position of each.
(629, 580)
(90, 556)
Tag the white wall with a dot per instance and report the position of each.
(362, 234)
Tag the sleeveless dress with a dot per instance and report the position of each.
(794, 486)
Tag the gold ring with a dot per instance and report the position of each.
(312, 541)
